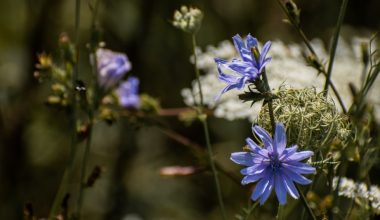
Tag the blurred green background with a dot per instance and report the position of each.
(34, 139)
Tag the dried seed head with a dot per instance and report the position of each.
(312, 121)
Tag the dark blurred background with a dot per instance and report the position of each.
(34, 138)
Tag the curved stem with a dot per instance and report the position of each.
(280, 212)
(203, 119)
(197, 75)
(69, 165)
(270, 102)
(342, 12)
(91, 117)
(213, 168)
(251, 209)
(83, 171)
(312, 51)
(305, 203)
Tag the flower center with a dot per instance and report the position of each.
(274, 162)
(256, 54)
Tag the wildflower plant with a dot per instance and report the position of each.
(188, 19)
(299, 131)
(250, 66)
(112, 67)
(128, 93)
(274, 166)
(301, 109)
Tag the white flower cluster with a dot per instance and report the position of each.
(188, 19)
(288, 67)
(354, 190)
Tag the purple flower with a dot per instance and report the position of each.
(128, 93)
(248, 69)
(112, 66)
(273, 166)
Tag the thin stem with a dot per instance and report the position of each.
(368, 85)
(197, 74)
(342, 12)
(198, 151)
(270, 102)
(280, 212)
(61, 191)
(305, 203)
(203, 119)
(350, 208)
(73, 123)
(312, 51)
(91, 117)
(83, 171)
(95, 12)
(250, 210)
(330, 178)
(213, 168)
(336, 93)
(341, 172)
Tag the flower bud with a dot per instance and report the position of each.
(53, 100)
(188, 19)
(293, 11)
(149, 104)
(44, 62)
(312, 61)
(107, 115)
(177, 171)
(128, 93)
(58, 88)
(67, 48)
(94, 176)
(112, 66)
(364, 46)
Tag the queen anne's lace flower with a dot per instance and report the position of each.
(357, 190)
(249, 68)
(287, 67)
(188, 19)
(128, 93)
(112, 66)
(274, 166)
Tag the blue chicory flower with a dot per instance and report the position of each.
(128, 93)
(112, 66)
(249, 68)
(273, 166)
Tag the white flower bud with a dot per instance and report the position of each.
(188, 19)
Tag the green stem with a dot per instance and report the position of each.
(61, 191)
(298, 29)
(213, 168)
(342, 12)
(280, 212)
(305, 203)
(83, 170)
(368, 85)
(197, 74)
(91, 111)
(341, 172)
(69, 165)
(203, 119)
(270, 102)
(312, 51)
(250, 210)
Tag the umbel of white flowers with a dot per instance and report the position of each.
(188, 19)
